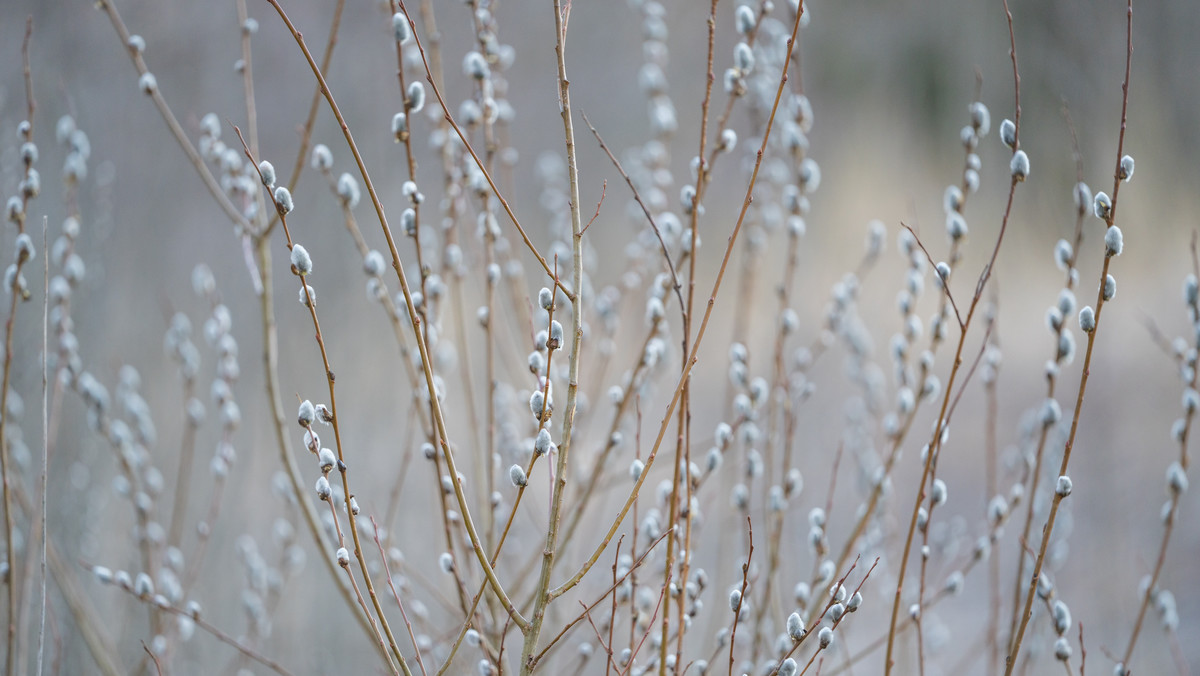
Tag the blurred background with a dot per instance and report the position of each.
(889, 84)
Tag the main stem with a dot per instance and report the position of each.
(542, 593)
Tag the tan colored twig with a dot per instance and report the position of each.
(637, 196)
(600, 599)
(17, 293)
(213, 631)
(542, 596)
(741, 599)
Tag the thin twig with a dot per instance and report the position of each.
(628, 575)
(737, 607)
(153, 658)
(41, 654)
(603, 194)
(396, 595)
(945, 281)
(542, 596)
(213, 631)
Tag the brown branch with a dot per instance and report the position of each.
(603, 193)
(945, 281)
(737, 607)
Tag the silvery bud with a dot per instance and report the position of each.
(267, 170)
(1008, 133)
(301, 261)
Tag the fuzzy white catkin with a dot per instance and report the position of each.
(24, 247)
(728, 140)
(1051, 412)
(956, 225)
(1101, 205)
(416, 97)
(267, 170)
(1008, 133)
(373, 263)
(938, 492)
(148, 83)
(1062, 649)
(743, 57)
(32, 185)
(542, 444)
(103, 575)
(517, 476)
(795, 626)
(475, 66)
(855, 602)
(343, 557)
(348, 191)
(15, 209)
(322, 157)
(283, 200)
(1083, 197)
(326, 460)
(745, 19)
(537, 403)
(1019, 166)
(1062, 254)
(307, 413)
(1177, 481)
(401, 30)
(1114, 241)
(981, 118)
(1063, 487)
(301, 261)
(952, 199)
(143, 586)
(399, 126)
(825, 637)
(1087, 319)
(410, 190)
(1126, 170)
(1062, 617)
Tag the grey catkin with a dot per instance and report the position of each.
(1114, 241)
(401, 30)
(301, 261)
(283, 200)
